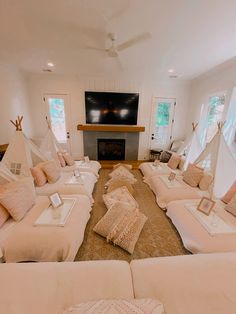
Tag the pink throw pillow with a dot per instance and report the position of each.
(39, 176)
(51, 170)
(231, 206)
(174, 161)
(193, 175)
(229, 194)
(61, 160)
(68, 159)
(18, 197)
(4, 215)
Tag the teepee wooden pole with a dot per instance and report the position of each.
(17, 123)
(48, 123)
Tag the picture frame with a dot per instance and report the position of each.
(77, 173)
(56, 200)
(86, 159)
(172, 176)
(206, 205)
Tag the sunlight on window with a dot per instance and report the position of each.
(57, 116)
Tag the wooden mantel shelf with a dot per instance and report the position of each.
(110, 128)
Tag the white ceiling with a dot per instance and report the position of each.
(191, 36)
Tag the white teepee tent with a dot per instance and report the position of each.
(221, 163)
(191, 147)
(22, 153)
(49, 145)
(6, 175)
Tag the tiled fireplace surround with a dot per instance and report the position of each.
(91, 146)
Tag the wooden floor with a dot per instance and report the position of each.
(108, 164)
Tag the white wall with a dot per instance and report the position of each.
(40, 84)
(219, 79)
(13, 101)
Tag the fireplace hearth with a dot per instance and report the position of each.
(110, 149)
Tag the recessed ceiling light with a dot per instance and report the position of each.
(171, 71)
(50, 64)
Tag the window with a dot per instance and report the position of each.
(57, 116)
(215, 113)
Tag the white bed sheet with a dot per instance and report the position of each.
(165, 195)
(149, 171)
(195, 237)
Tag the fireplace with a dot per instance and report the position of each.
(110, 149)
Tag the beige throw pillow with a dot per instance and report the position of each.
(115, 183)
(68, 159)
(193, 175)
(51, 170)
(127, 166)
(181, 163)
(174, 161)
(133, 306)
(119, 195)
(18, 197)
(231, 206)
(206, 181)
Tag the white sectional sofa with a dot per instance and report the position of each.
(199, 284)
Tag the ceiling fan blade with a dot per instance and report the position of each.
(133, 41)
(95, 48)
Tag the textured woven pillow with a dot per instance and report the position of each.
(133, 306)
(51, 170)
(229, 194)
(206, 181)
(121, 171)
(68, 159)
(165, 156)
(127, 166)
(174, 161)
(193, 175)
(4, 215)
(108, 221)
(115, 183)
(39, 176)
(231, 206)
(61, 160)
(18, 197)
(119, 195)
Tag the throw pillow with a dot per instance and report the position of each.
(68, 159)
(231, 206)
(174, 161)
(229, 194)
(127, 166)
(4, 215)
(18, 197)
(117, 182)
(134, 306)
(165, 156)
(108, 221)
(193, 175)
(39, 176)
(61, 160)
(206, 181)
(51, 170)
(181, 163)
(119, 195)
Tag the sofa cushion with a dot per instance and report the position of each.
(134, 306)
(18, 197)
(174, 161)
(193, 175)
(119, 195)
(68, 159)
(206, 181)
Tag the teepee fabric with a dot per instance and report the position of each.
(6, 175)
(191, 147)
(50, 146)
(220, 162)
(21, 155)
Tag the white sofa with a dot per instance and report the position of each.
(199, 284)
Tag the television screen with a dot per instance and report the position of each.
(111, 108)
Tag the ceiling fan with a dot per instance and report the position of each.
(113, 50)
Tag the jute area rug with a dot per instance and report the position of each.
(158, 237)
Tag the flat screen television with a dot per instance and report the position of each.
(111, 108)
